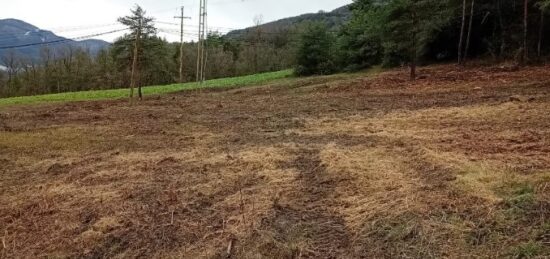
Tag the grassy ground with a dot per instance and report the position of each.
(150, 90)
(456, 165)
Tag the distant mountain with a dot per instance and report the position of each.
(16, 32)
(333, 19)
(93, 45)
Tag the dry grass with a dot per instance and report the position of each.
(450, 166)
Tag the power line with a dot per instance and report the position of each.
(60, 40)
(229, 2)
(74, 28)
(173, 9)
(195, 26)
(14, 36)
(169, 23)
(82, 27)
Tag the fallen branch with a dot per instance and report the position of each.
(230, 248)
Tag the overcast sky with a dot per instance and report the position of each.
(74, 18)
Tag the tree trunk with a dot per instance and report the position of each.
(134, 63)
(502, 32)
(413, 69)
(413, 58)
(541, 32)
(469, 31)
(140, 94)
(525, 29)
(462, 28)
(414, 55)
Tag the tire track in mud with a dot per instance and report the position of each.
(306, 211)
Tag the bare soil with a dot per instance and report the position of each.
(455, 164)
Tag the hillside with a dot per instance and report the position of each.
(333, 19)
(16, 32)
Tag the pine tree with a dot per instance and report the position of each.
(360, 39)
(314, 55)
(409, 27)
(140, 27)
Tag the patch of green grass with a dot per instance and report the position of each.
(256, 79)
(520, 200)
(527, 250)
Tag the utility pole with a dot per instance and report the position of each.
(182, 17)
(201, 45)
(205, 40)
(134, 62)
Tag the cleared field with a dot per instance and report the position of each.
(456, 164)
(149, 90)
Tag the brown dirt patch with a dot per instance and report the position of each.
(454, 165)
